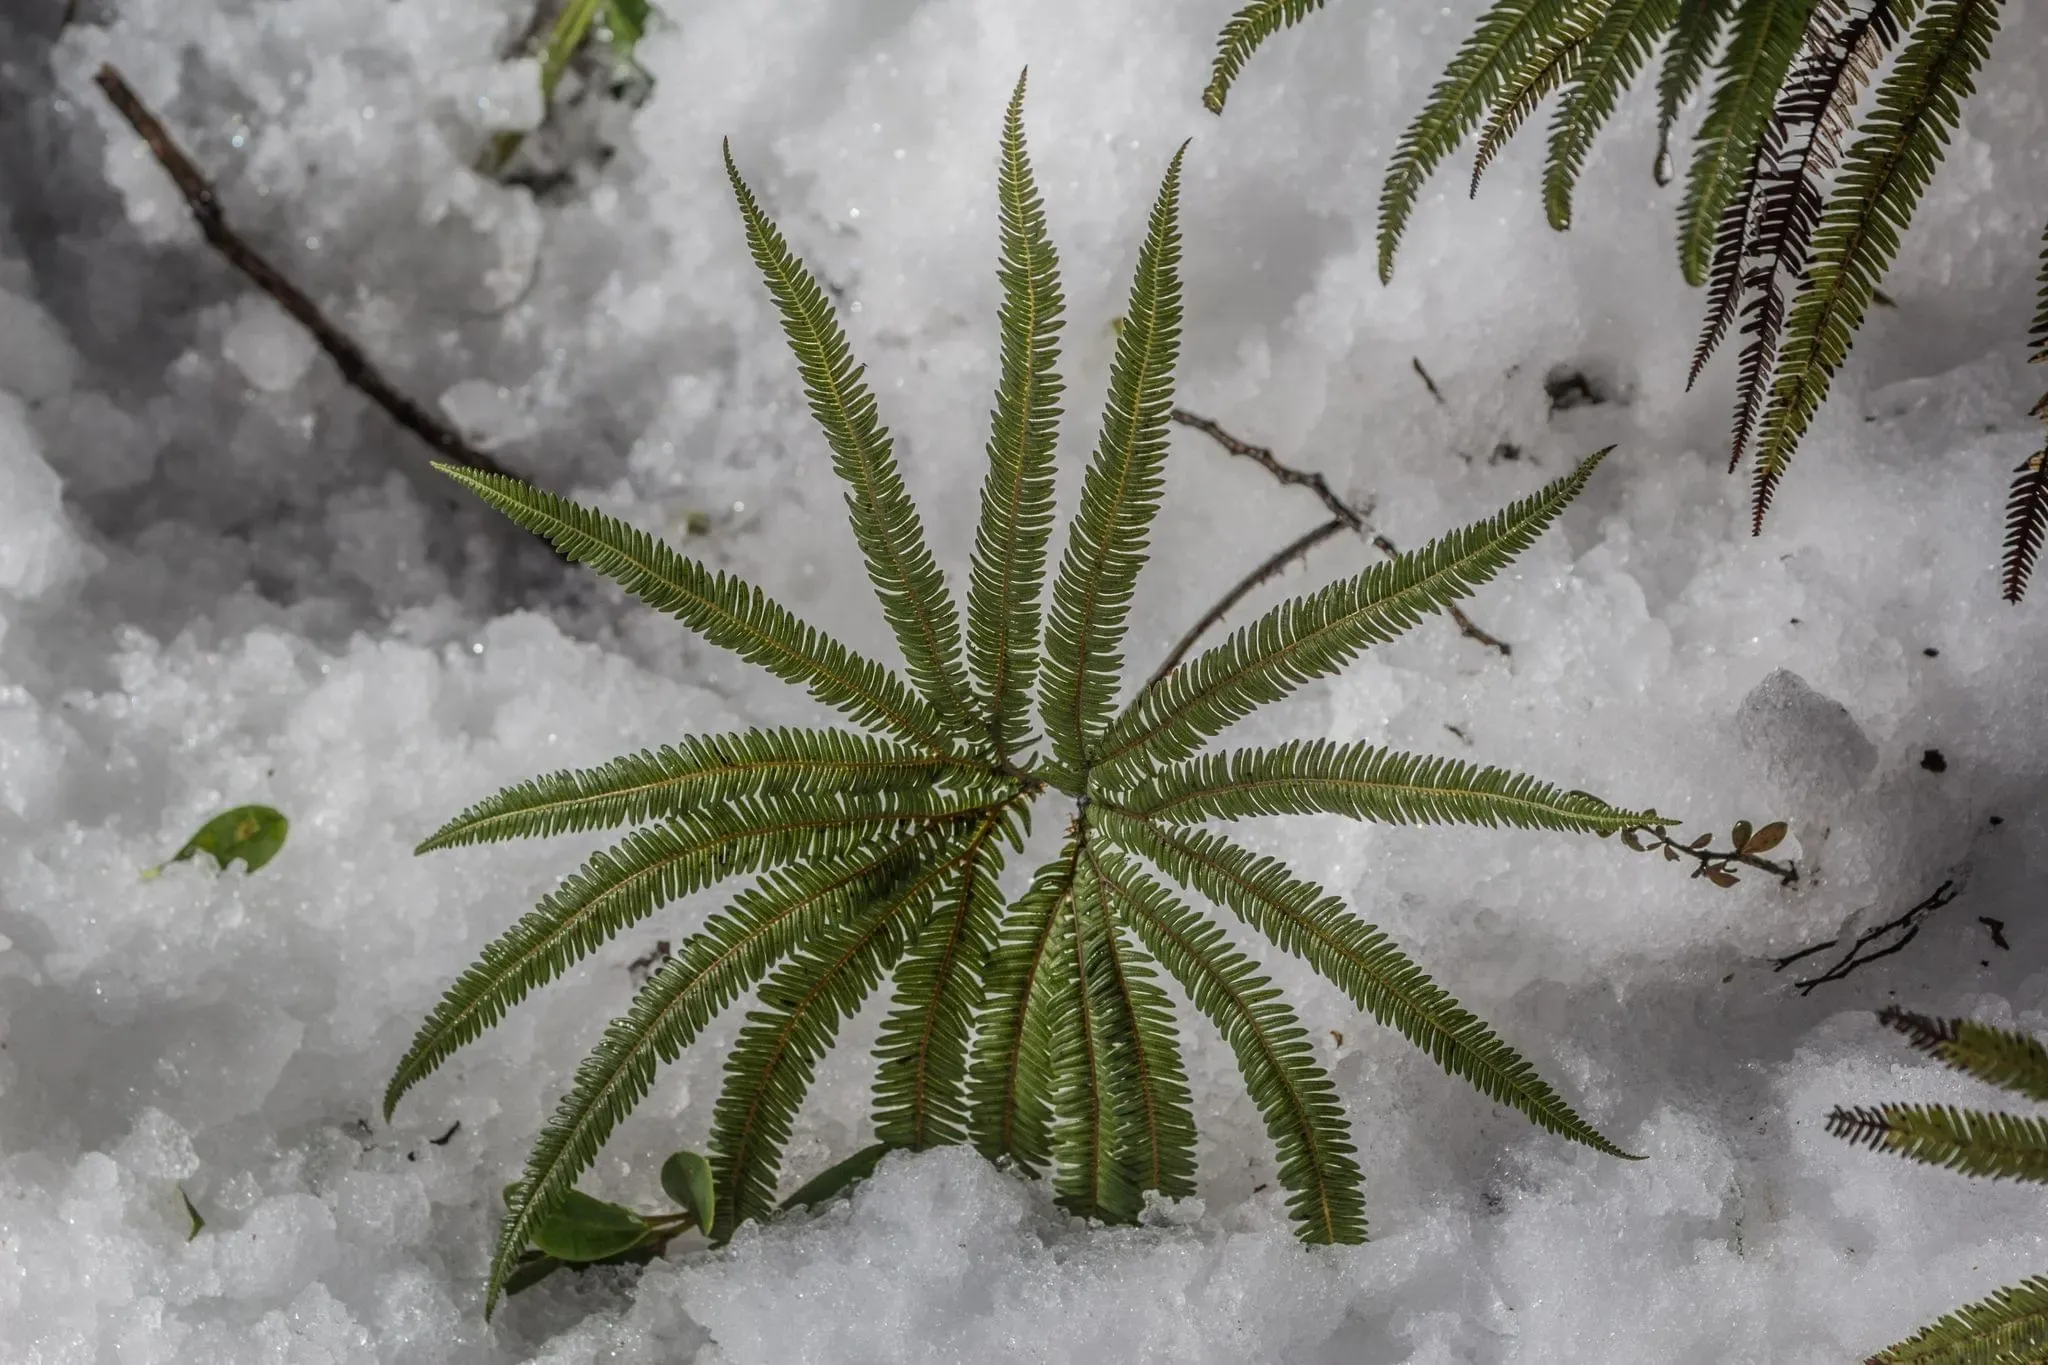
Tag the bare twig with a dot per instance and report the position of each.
(1350, 517)
(1427, 382)
(1280, 559)
(70, 15)
(355, 367)
(1893, 936)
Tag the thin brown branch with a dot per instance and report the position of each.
(1427, 382)
(1872, 944)
(1279, 560)
(70, 15)
(355, 367)
(1349, 516)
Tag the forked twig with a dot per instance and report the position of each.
(1900, 930)
(356, 368)
(1344, 515)
(1280, 559)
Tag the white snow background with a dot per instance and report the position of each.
(224, 578)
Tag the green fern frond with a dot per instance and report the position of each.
(700, 772)
(1302, 919)
(1010, 1079)
(1972, 1141)
(1614, 53)
(1553, 59)
(1317, 777)
(1313, 1140)
(771, 1064)
(906, 578)
(725, 610)
(1241, 37)
(1760, 51)
(648, 869)
(2026, 505)
(1158, 1124)
(1880, 185)
(2006, 1058)
(921, 1056)
(1695, 33)
(1315, 635)
(1008, 575)
(1457, 103)
(765, 923)
(1091, 1174)
(2008, 1328)
(1107, 545)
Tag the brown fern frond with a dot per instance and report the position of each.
(1799, 149)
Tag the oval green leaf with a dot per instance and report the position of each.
(686, 1178)
(587, 1229)
(253, 834)
(833, 1180)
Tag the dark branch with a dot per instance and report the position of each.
(1280, 559)
(1346, 515)
(1427, 382)
(1872, 944)
(355, 367)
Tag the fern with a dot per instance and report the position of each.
(1615, 52)
(2009, 1328)
(2012, 1324)
(1695, 32)
(1758, 214)
(1241, 37)
(1318, 777)
(906, 578)
(1882, 180)
(1549, 63)
(1040, 1030)
(1468, 89)
(1761, 47)
(1106, 545)
(1016, 500)
(1313, 636)
(2026, 506)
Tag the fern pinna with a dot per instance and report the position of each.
(1790, 233)
(1038, 1028)
(2011, 1326)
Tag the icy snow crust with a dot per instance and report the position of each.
(223, 579)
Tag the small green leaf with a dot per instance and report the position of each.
(534, 1267)
(1720, 878)
(587, 1229)
(1739, 836)
(834, 1179)
(626, 21)
(198, 1223)
(686, 1178)
(1765, 839)
(252, 833)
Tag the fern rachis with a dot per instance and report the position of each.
(1039, 1030)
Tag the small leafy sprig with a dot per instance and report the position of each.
(1038, 1029)
(585, 1231)
(2011, 1326)
(1746, 845)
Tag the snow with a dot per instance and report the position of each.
(224, 579)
